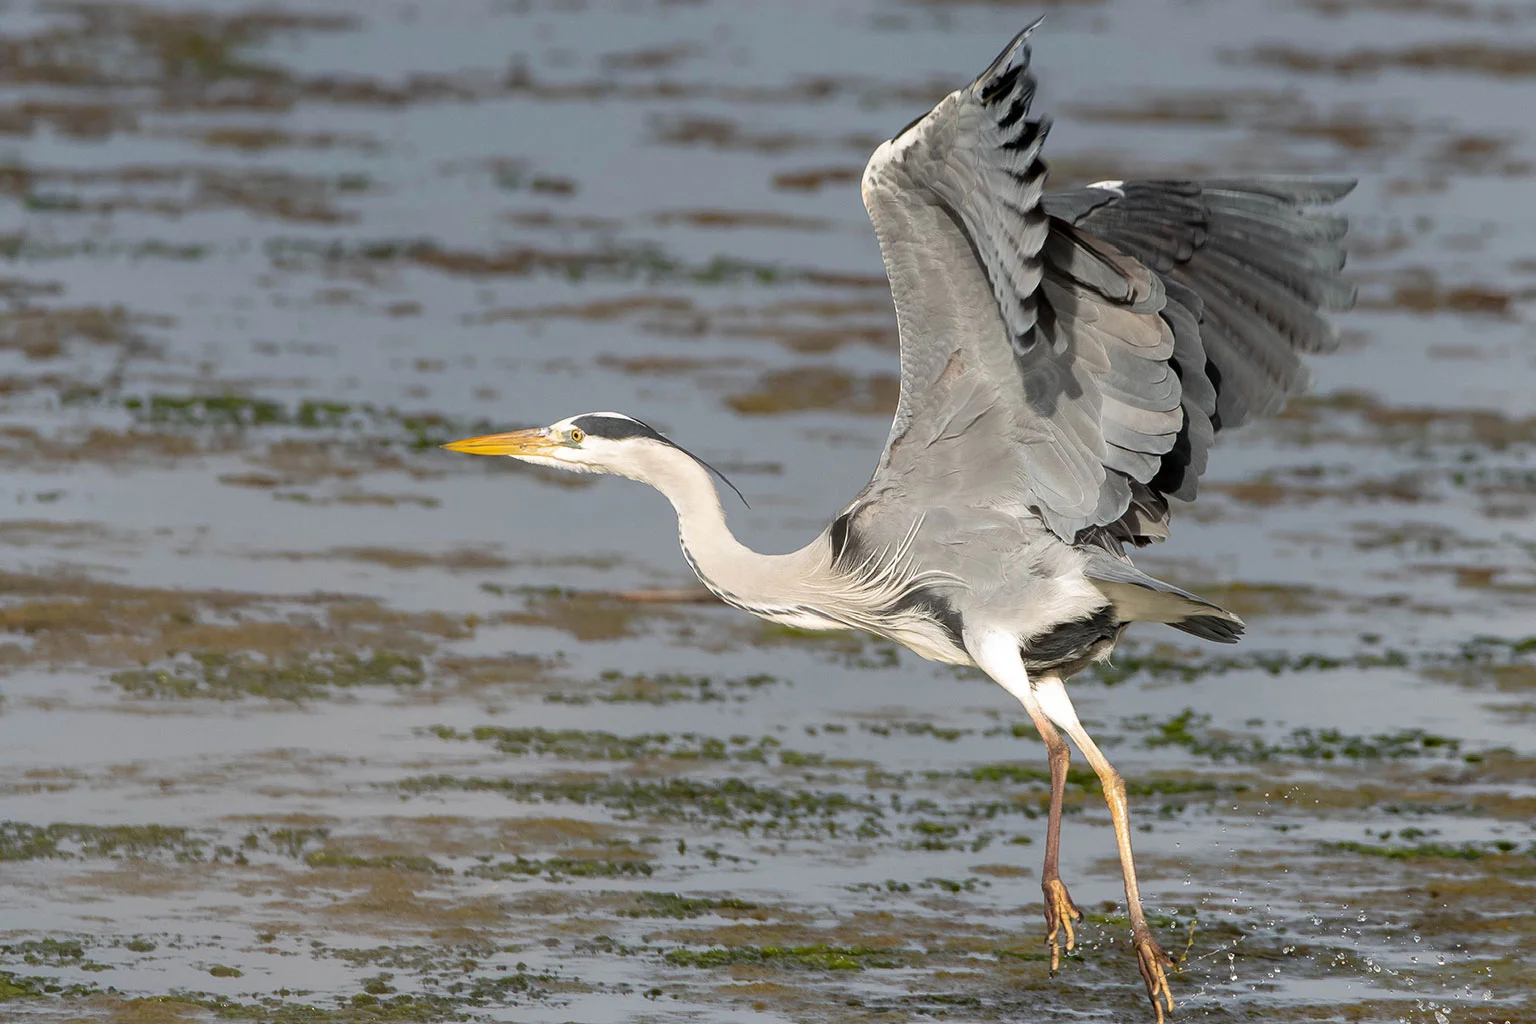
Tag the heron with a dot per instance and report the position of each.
(1067, 359)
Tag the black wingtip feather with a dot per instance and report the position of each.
(1000, 74)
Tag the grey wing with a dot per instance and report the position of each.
(1068, 358)
(1246, 267)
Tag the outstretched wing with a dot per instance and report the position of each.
(1245, 269)
(1068, 358)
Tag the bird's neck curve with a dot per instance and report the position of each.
(734, 572)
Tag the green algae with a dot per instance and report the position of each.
(388, 862)
(1429, 851)
(1189, 730)
(1088, 781)
(219, 675)
(667, 688)
(239, 412)
(1024, 775)
(675, 905)
(594, 745)
(557, 868)
(20, 841)
(226, 413)
(45, 951)
(902, 729)
(816, 957)
(1477, 652)
(643, 262)
(16, 987)
(730, 801)
(13, 986)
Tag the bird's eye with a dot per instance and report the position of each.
(576, 435)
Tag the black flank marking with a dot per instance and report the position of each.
(937, 608)
(1071, 641)
(839, 533)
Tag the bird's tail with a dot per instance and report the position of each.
(1138, 597)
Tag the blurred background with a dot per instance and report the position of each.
(306, 720)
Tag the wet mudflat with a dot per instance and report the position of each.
(304, 720)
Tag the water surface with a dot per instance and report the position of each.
(306, 720)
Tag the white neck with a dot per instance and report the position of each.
(803, 588)
(767, 585)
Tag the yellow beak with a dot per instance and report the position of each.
(534, 441)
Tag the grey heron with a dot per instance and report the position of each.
(1067, 359)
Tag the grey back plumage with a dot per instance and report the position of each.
(1068, 358)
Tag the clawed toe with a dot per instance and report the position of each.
(1152, 961)
(1060, 912)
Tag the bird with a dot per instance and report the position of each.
(1067, 360)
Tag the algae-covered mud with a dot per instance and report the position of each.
(304, 720)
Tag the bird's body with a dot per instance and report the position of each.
(1066, 361)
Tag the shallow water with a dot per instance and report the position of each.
(305, 720)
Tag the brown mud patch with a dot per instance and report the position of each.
(457, 560)
(176, 191)
(58, 619)
(41, 332)
(1476, 58)
(724, 134)
(809, 388)
(1419, 290)
(24, 446)
(261, 140)
(1447, 10)
(727, 219)
(1318, 418)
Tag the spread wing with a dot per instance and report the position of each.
(1069, 357)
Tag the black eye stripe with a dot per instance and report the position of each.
(620, 428)
(613, 428)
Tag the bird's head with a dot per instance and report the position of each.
(594, 442)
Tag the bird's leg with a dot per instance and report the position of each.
(997, 654)
(1060, 911)
(1150, 957)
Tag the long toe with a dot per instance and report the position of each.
(1060, 912)
(1152, 961)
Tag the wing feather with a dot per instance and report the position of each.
(1071, 356)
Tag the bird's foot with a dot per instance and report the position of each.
(1060, 912)
(1151, 959)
